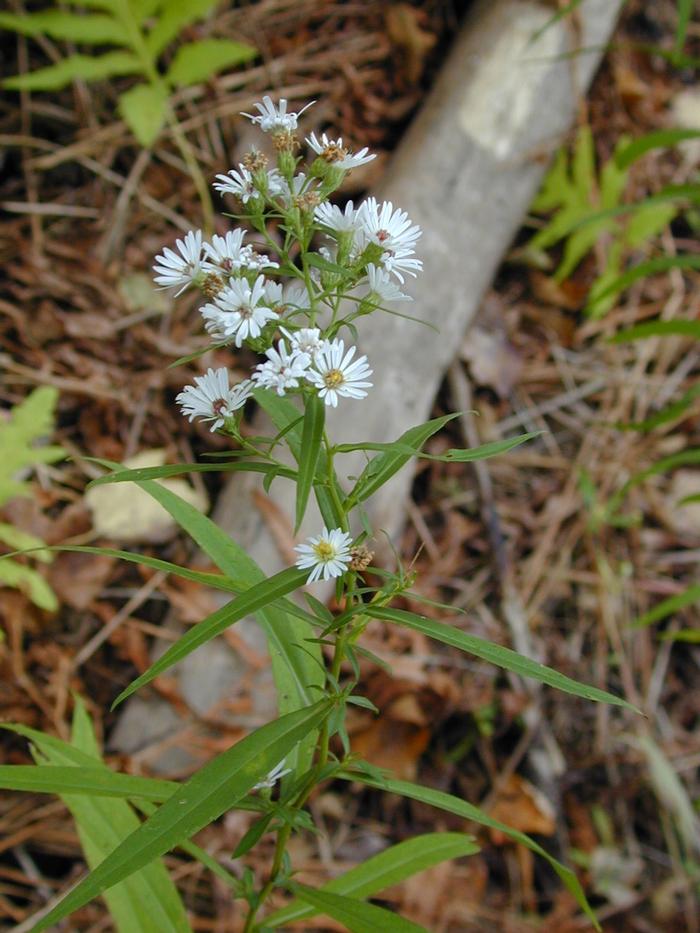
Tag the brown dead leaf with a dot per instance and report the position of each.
(493, 360)
(78, 578)
(522, 806)
(397, 746)
(568, 294)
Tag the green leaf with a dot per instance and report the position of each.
(493, 449)
(144, 109)
(665, 465)
(381, 468)
(358, 916)
(678, 328)
(287, 418)
(179, 469)
(296, 663)
(174, 16)
(495, 654)
(253, 599)
(311, 440)
(685, 8)
(666, 414)
(83, 67)
(29, 581)
(565, 11)
(88, 781)
(215, 788)
(30, 421)
(200, 61)
(645, 269)
(467, 811)
(145, 903)
(253, 836)
(74, 27)
(386, 869)
(660, 139)
(668, 606)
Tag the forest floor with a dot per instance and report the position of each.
(524, 546)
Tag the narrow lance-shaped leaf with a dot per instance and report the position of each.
(254, 599)
(668, 606)
(467, 811)
(357, 916)
(660, 139)
(495, 654)
(677, 328)
(386, 869)
(644, 269)
(381, 468)
(147, 902)
(311, 440)
(74, 779)
(215, 788)
(296, 670)
(286, 418)
(179, 469)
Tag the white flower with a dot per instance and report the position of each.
(272, 119)
(381, 286)
(176, 270)
(333, 152)
(391, 229)
(283, 369)
(331, 216)
(237, 311)
(307, 340)
(336, 376)
(400, 261)
(241, 183)
(328, 554)
(273, 777)
(226, 254)
(211, 399)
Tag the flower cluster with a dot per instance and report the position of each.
(271, 292)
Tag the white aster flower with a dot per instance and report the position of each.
(391, 229)
(238, 310)
(273, 777)
(328, 554)
(333, 152)
(241, 183)
(401, 261)
(283, 369)
(307, 340)
(174, 270)
(272, 119)
(211, 398)
(348, 221)
(226, 253)
(381, 286)
(335, 374)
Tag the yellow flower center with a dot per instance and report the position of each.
(324, 550)
(334, 153)
(333, 378)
